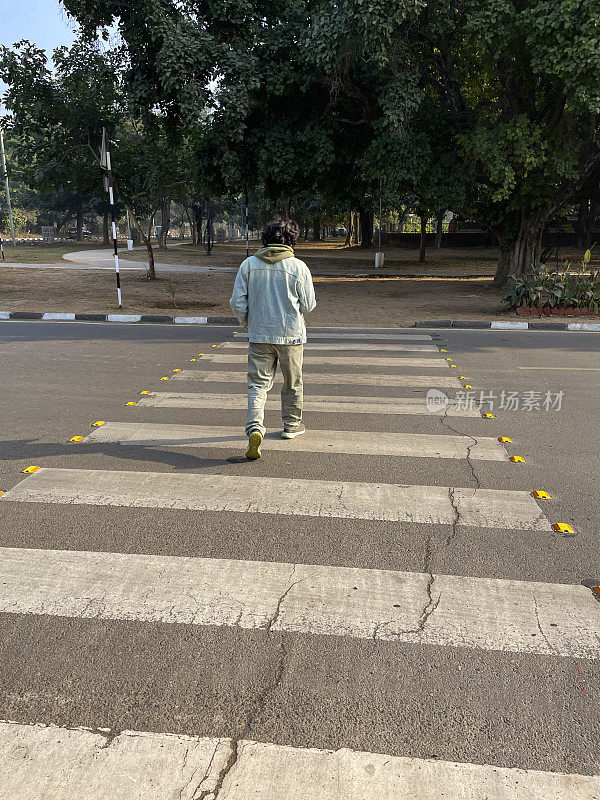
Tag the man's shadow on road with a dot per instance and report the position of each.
(31, 450)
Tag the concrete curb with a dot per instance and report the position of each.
(516, 325)
(129, 318)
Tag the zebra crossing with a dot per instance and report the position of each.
(350, 602)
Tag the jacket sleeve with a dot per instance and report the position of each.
(239, 298)
(306, 292)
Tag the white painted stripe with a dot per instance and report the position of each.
(190, 320)
(410, 445)
(383, 605)
(370, 361)
(360, 346)
(124, 317)
(52, 315)
(4, 314)
(321, 403)
(583, 326)
(492, 508)
(312, 334)
(78, 764)
(358, 379)
(504, 325)
(45, 761)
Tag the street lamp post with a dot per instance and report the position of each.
(5, 175)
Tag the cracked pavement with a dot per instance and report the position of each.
(268, 685)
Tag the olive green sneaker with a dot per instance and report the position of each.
(291, 433)
(254, 443)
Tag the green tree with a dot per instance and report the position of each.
(57, 115)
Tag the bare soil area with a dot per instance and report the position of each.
(345, 301)
(341, 301)
(332, 256)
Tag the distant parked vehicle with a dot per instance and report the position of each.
(72, 233)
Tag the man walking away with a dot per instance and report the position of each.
(272, 292)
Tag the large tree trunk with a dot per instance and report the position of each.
(192, 225)
(79, 224)
(197, 210)
(316, 229)
(209, 232)
(366, 226)
(165, 221)
(519, 254)
(147, 239)
(583, 225)
(438, 231)
(423, 240)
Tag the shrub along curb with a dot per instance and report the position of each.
(130, 318)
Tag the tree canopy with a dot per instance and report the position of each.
(489, 108)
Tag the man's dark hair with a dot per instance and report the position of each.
(280, 231)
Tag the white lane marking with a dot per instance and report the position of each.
(311, 334)
(411, 361)
(124, 317)
(360, 379)
(409, 445)
(78, 764)
(413, 607)
(75, 763)
(362, 347)
(58, 315)
(322, 403)
(491, 508)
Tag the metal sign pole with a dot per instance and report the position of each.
(5, 176)
(108, 185)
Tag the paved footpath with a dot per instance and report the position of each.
(378, 609)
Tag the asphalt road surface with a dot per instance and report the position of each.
(377, 609)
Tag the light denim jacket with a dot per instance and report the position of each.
(270, 299)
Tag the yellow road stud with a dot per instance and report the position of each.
(442, 350)
(539, 495)
(166, 378)
(448, 359)
(145, 392)
(200, 354)
(504, 439)
(97, 423)
(462, 378)
(1, 493)
(130, 403)
(467, 386)
(214, 345)
(594, 588)
(517, 459)
(563, 527)
(176, 370)
(193, 359)
(454, 365)
(29, 470)
(489, 416)
(76, 439)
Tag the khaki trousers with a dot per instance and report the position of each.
(262, 364)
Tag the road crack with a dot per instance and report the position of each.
(474, 442)
(539, 624)
(259, 701)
